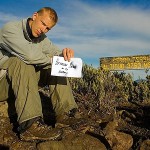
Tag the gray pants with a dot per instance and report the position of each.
(24, 80)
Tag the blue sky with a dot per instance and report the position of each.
(93, 28)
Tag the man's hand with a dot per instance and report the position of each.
(68, 53)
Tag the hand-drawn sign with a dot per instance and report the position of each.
(60, 67)
(125, 62)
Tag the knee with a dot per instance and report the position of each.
(16, 64)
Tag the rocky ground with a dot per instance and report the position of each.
(125, 127)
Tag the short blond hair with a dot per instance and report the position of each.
(52, 13)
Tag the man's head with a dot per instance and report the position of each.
(42, 21)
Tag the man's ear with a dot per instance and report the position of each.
(34, 16)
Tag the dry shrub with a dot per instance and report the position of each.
(99, 89)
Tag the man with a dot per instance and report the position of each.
(25, 55)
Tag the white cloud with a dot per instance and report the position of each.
(92, 19)
(7, 17)
(104, 31)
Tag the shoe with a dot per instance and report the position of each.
(71, 119)
(39, 131)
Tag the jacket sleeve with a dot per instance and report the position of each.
(49, 48)
(31, 53)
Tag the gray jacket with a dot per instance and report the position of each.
(15, 41)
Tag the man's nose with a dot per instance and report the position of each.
(43, 29)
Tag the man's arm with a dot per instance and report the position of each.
(30, 53)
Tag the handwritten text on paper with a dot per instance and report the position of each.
(63, 68)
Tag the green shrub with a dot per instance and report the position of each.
(99, 88)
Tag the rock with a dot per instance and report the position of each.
(19, 145)
(120, 140)
(145, 145)
(7, 136)
(51, 145)
(73, 141)
(3, 109)
(117, 140)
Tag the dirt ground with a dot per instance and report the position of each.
(125, 127)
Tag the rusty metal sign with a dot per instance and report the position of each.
(125, 62)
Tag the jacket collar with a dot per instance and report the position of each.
(26, 33)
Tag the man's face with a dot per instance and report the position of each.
(40, 24)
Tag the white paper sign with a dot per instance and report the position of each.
(63, 68)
